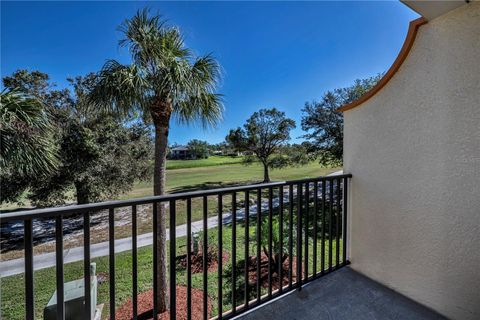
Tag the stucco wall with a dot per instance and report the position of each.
(414, 152)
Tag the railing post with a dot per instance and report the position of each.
(247, 251)
(338, 212)
(330, 224)
(204, 256)
(299, 236)
(86, 264)
(290, 236)
(345, 213)
(280, 253)
(111, 242)
(315, 227)
(270, 231)
(258, 240)
(220, 255)
(189, 259)
(307, 223)
(134, 263)
(29, 285)
(173, 255)
(59, 267)
(155, 231)
(322, 252)
(234, 252)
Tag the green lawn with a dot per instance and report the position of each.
(225, 175)
(210, 161)
(215, 176)
(13, 287)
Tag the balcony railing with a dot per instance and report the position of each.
(306, 225)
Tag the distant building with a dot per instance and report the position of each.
(181, 153)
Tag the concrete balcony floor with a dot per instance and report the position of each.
(343, 294)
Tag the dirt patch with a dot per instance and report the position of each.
(197, 262)
(11, 234)
(145, 306)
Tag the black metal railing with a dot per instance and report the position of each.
(305, 223)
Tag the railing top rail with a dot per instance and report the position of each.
(73, 209)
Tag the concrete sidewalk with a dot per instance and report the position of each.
(47, 260)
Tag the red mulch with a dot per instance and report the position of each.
(145, 306)
(197, 262)
(252, 272)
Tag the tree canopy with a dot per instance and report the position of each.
(53, 144)
(100, 160)
(324, 125)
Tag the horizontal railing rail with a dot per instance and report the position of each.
(281, 235)
(73, 209)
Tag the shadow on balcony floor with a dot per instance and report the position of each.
(343, 294)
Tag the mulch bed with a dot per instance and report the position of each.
(145, 306)
(252, 272)
(197, 262)
(145, 299)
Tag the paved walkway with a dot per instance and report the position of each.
(46, 260)
(343, 295)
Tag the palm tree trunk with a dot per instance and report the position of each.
(159, 178)
(161, 118)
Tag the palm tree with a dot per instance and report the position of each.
(25, 135)
(164, 80)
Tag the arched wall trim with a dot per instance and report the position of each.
(402, 55)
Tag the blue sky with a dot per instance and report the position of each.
(273, 54)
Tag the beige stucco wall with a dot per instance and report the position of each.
(414, 152)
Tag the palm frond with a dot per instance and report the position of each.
(198, 101)
(206, 109)
(150, 41)
(25, 135)
(120, 89)
(163, 69)
(206, 72)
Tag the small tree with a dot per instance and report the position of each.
(324, 125)
(236, 140)
(263, 133)
(279, 249)
(198, 148)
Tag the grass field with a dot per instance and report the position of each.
(13, 299)
(209, 162)
(225, 175)
(189, 175)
